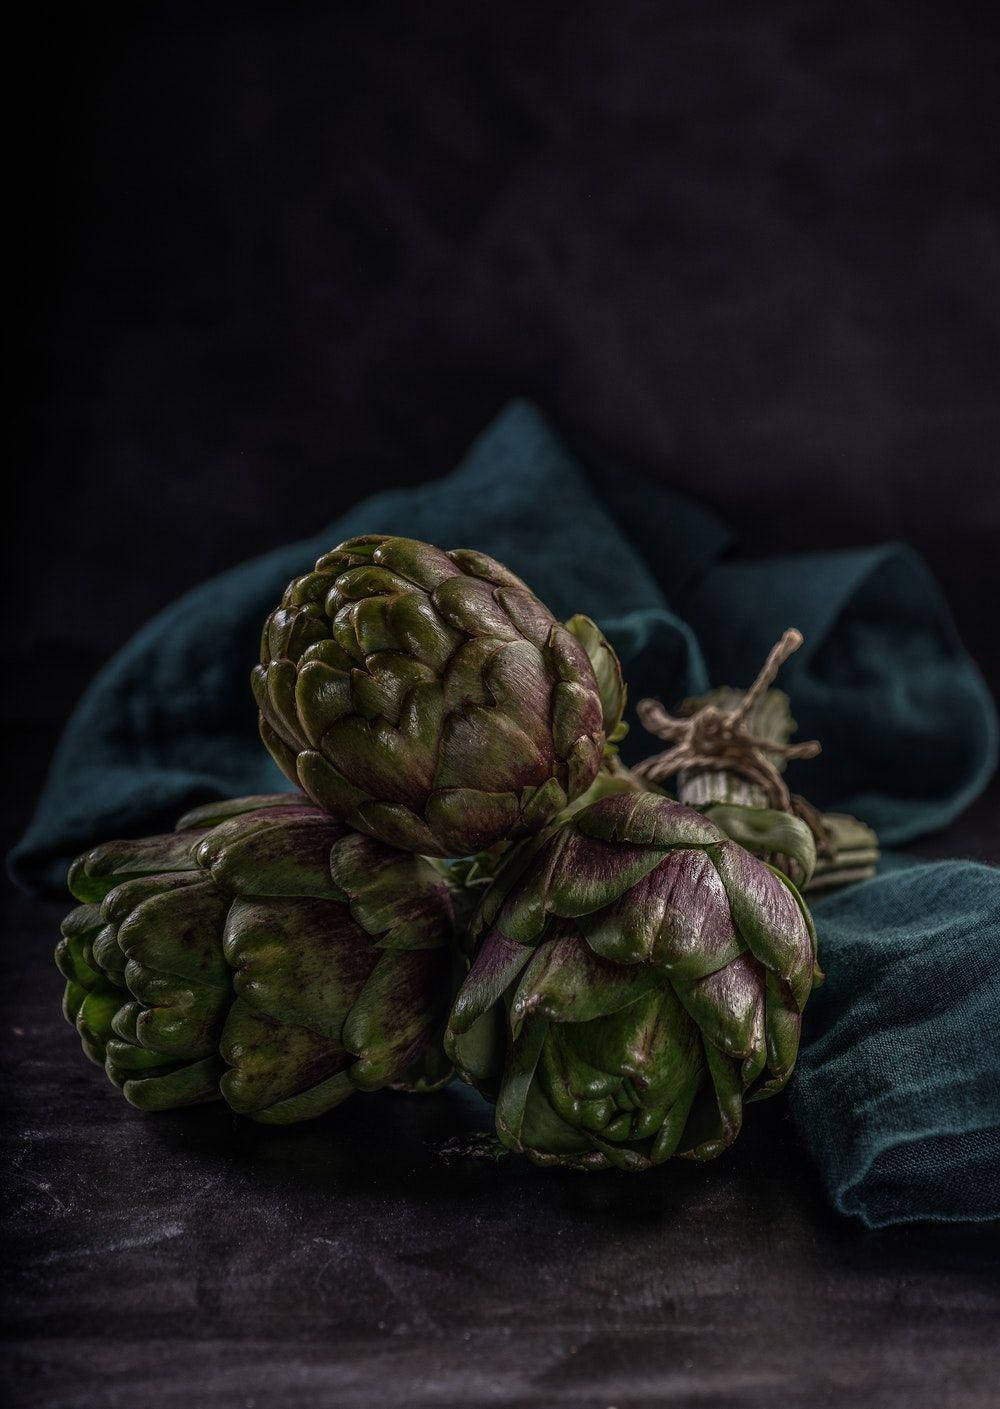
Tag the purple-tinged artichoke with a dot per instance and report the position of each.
(638, 977)
(262, 952)
(429, 698)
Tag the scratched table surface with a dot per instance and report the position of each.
(193, 1258)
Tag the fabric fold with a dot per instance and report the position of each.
(897, 1087)
(882, 680)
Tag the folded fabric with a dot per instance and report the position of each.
(882, 680)
(894, 1094)
(897, 1087)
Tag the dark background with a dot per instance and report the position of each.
(277, 258)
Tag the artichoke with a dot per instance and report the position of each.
(430, 699)
(637, 977)
(262, 952)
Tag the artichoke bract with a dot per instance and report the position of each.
(262, 952)
(429, 698)
(637, 977)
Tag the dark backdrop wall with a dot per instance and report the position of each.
(277, 259)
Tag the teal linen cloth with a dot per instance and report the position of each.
(882, 679)
(897, 1087)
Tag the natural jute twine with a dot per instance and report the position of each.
(719, 739)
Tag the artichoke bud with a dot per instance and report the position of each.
(637, 978)
(430, 700)
(261, 952)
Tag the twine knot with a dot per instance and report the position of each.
(720, 739)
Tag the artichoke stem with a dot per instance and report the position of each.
(700, 787)
(770, 718)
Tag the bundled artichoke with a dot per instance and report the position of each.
(728, 751)
(262, 952)
(429, 698)
(638, 976)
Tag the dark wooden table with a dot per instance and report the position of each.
(193, 1258)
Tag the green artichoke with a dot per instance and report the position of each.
(430, 699)
(637, 977)
(262, 952)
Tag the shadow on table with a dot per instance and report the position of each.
(430, 1150)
